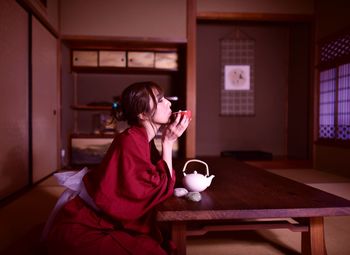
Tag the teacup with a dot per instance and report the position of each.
(188, 113)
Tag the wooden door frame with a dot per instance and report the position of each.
(191, 77)
(191, 86)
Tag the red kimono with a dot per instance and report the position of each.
(129, 183)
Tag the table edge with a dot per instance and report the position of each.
(252, 214)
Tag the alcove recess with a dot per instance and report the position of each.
(135, 58)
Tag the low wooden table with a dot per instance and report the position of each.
(241, 196)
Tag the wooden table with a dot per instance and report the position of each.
(241, 195)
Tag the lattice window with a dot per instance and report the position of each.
(335, 49)
(334, 103)
(344, 102)
(334, 89)
(327, 103)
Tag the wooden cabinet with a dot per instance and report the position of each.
(124, 60)
(141, 59)
(85, 58)
(110, 58)
(117, 61)
(127, 62)
(152, 61)
(166, 60)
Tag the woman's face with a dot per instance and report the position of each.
(162, 111)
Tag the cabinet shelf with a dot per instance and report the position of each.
(123, 70)
(91, 108)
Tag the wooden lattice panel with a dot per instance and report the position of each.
(241, 52)
(335, 49)
(334, 104)
(344, 102)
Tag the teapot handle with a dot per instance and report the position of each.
(195, 160)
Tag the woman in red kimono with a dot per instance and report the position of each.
(116, 215)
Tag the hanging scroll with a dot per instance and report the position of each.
(237, 75)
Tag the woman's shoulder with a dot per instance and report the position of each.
(134, 134)
(133, 141)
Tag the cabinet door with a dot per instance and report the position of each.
(112, 58)
(85, 58)
(166, 60)
(140, 59)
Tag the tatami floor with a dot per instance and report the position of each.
(21, 222)
(281, 241)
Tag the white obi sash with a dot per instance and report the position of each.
(73, 181)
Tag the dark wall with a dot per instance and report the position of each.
(268, 129)
(299, 93)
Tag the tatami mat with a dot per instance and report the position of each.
(281, 241)
(307, 175)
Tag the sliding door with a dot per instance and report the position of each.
(44, 101)
(14, 126)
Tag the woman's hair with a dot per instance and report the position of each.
(135, 99)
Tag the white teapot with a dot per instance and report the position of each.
(195, 181)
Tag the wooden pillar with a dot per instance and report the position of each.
(191, 86)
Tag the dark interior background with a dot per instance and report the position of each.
(282, 66)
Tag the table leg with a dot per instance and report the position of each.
(312, 241)
(178, 235)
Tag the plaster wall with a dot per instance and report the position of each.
(124, 18)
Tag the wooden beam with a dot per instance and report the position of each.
(227, 16)
(255, 225)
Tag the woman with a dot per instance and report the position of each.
(116, 215)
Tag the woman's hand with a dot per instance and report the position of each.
(170, 134)
(176, 128)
